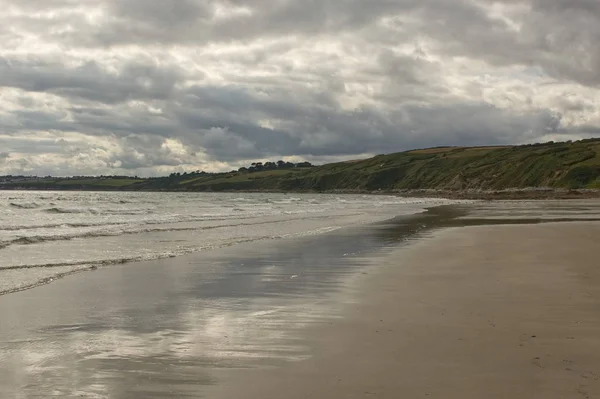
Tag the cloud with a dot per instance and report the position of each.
(90, 80)
(138, 87)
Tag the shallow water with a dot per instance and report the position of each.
(44, 235)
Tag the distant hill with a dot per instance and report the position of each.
(570, 165)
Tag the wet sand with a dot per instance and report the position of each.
(474, 312)
(491, 310)
(175, 327)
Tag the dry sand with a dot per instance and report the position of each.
(475, 312)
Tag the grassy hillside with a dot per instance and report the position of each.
(556, 165)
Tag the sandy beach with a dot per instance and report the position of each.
(473, 312)
(493, 300)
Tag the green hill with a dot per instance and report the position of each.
(556, 165)
(571, 165)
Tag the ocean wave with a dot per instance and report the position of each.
(58, 225)
(91, 264)
(126, 212)
(80, 266)
(164, 254)
(307, 233)
(28, 240)
(25, 205)
(96, 211)
(133, 229)
(41, 281)
(72, 210)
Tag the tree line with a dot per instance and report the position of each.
(254, 167)
(259, 166)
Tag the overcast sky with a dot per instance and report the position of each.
(150, 87)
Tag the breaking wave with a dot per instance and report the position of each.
(90, 234)
(37, 239)
(27, 205)
(95, 211)
(72, 210)
(95, 264)
(56, 225)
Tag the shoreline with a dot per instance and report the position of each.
(91, 266)
(434, 216)
(40, 229)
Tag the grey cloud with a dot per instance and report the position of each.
(305, 128)
(559, 36)
(318, 131)
(565, 35)
(225, 145)
(588, 130)
(227, 139)
(575, 104)
(26, 144)
(405, 69)
(164, 13)
(121, 121)
(416, 126)
(318, 79)
(44, 5)
(195, 22)
(141, 156)
(89, 81)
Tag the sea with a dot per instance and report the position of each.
(47, 235)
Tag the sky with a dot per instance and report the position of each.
(151, 87)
